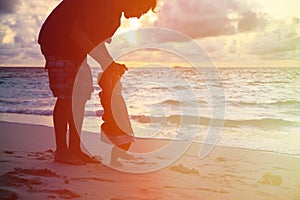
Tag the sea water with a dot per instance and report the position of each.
(256, 108)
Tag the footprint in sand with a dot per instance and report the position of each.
(47, 155)
(9, 152)
(221, 159)
(7, 194)
(14, 180)
(184, 170)
(57, 193)
(32, 181)
(34, 172)
(17, 177)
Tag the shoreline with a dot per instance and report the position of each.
(47, 121)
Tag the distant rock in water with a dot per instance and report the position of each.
(177, 67)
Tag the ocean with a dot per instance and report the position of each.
(255, 108)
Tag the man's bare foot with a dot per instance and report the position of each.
(67, 157)
(85, 157)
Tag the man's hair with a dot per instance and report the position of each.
(152, 4)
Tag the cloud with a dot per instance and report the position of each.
(275, 45)
(8, 6)
(206, 18)
(251, 20)
(278, 37)
(20, 23)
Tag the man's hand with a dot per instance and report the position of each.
(121, 68)
(112, 73)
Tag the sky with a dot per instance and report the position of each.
(232, 33)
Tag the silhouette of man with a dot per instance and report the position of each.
(74, 29)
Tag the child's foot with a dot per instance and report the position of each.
(120, 153)
(116, 163)
(115, 154)
(67, 157)
(126, 156)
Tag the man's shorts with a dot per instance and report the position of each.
(63, 78)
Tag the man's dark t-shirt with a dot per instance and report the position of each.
(98, 19)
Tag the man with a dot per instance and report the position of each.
(74, 29)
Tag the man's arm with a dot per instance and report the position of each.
(99, 53)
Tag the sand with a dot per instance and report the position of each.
(28, 171)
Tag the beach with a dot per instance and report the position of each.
(28, 172)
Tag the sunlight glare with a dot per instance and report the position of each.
(134, 23)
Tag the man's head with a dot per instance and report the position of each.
(136, 8)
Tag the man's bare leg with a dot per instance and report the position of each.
(62, 153)
(75, 120)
